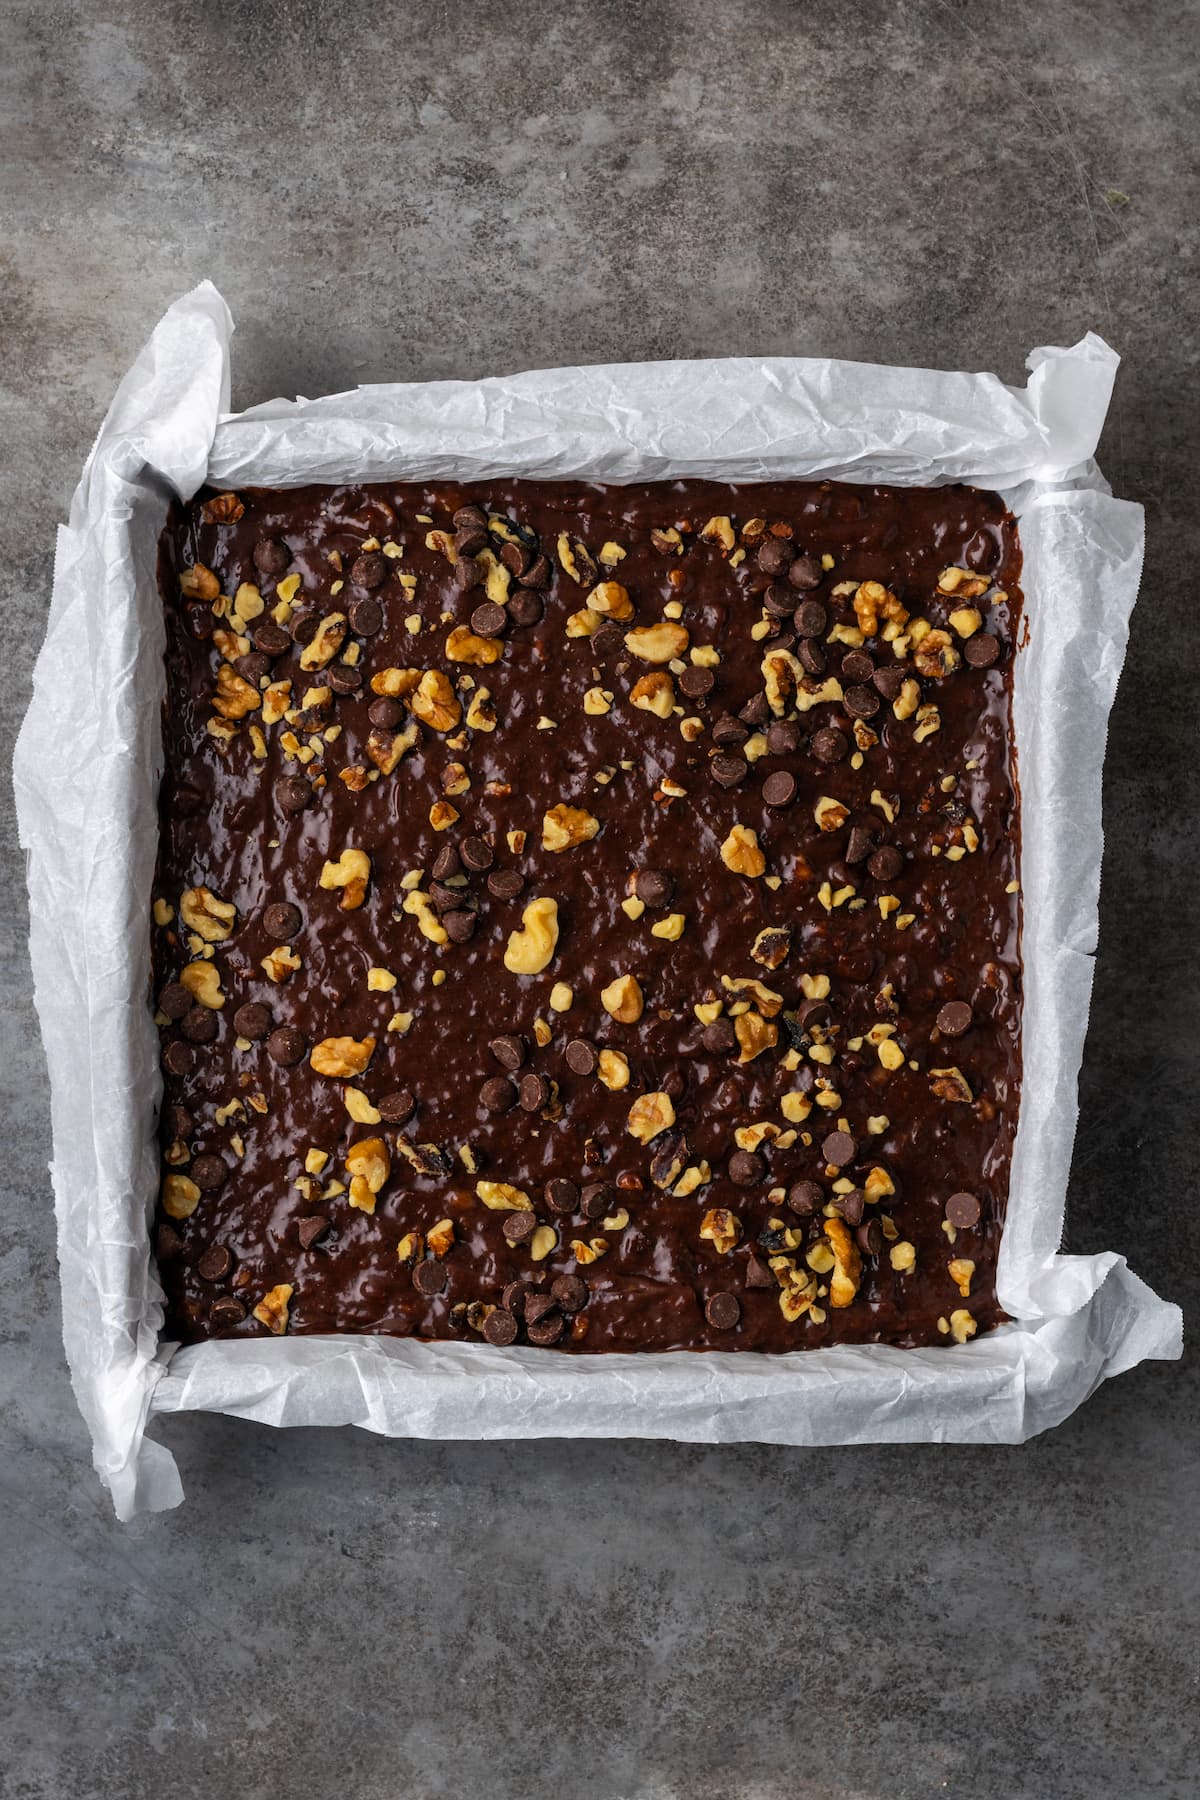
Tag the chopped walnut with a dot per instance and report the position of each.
(435, 702)
(654, 693)
(342, 1057)
(563, 827)
(611, 599)
(272, 1309)
(649, 1114)
(205, 913)
(623, 1000)
(722, 1228)
(951, 1084)
(847, 1263)
(659, 643)
(466, 646)
(351, 873)
(502, 1196)
(935, 655)
(531, 947)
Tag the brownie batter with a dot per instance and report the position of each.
(588, 916)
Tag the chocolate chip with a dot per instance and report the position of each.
(857, 666)
(839, 1148)
(954, 1018)
(208, 1173)
(722, 1311)
(505, 884)
(199, 1025)
(537, 575)
(311, 1229)
(581, 1056)
(286, 1045)
(477, 854)
(282, 920)
(365, 616)
(729, 770)
(180, 1121)
(758, 1273)
(253, 667)
(561, 1196)
(850, 1206)
(696, 683)
(886, 863)
(746, 1168)
(814, 1013)
(513, 1298)
(489, 620)
(509, 1051)
(779, 601)
(175, 1000)
(226, 1312)
(215, 1264)
(271, 556)
(167, 1243)
(962, 1210)
(470, 515)
(518, 1226)
(719, 1038)
(525, 608)
(570, 1291)
(596, 1200)
(756, 712)
(674, 1083)
(178, 1058)
(369, 570)
(779, 789)
(468, 573)
(447, 863)
(498, 1095)
(292, 793)
(546, 1331)
(459, 925)
(810, 619)
(810, 656)
(385, 713)
(429, 1277)
(774, 556)
(805, 572)
(858, 844)
(535, 1093)
(888, 681)
(271, 639)
(981, 650)
(829, 745)
(869, 1237)
(654, 887)
(805, 1198)
(343, 679)
(252, 1021)
(728, 733)
(861, 702)
(783, 738)
(500, 1328)
(303, 626)
(397, 1106)
(470, 539)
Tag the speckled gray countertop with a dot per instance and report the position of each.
(392, 192)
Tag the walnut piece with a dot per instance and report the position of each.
(531, 947)
(722, 1228)
(205, 913)
(622, 999)
(501, 1196)
(272, 1309)
(650, 1114)
(847, 1263)
(342, 1057)
(741, 854)
(659, 643)
(435, 702)
(351, 873)
(563, 827)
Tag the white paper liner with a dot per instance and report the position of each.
(86, 807)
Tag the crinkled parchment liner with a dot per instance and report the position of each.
(88, 824)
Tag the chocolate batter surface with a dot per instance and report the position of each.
(587, 916)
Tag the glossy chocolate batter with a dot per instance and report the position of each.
(748, 752)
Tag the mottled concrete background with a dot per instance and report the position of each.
(398, 191)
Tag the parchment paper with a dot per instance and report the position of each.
(86, 807)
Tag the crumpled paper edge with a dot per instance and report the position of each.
(163, 434)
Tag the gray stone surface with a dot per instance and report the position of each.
(426, 190)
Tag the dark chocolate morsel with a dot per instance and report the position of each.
(199, 1025)
(722, 1311)
(783, 738)
(397, 1107)
(805, 572)
(857, 666)
(774, 556)
(271, 556)
(215, 1264)
(756, 711)
(252, 1021)
(282, 921)
(459, 925)
(696, 683)
(859, 844)
(889, 680)
(829, 745)
(869, 1237)
(850, 1205)
(509, 1051)
(524, 608)
(369, 570)
(489, 620)
(746, 1168)
(954, 1018)
(758, 1273)
(561, 1196)
(719, 1038)
(226, 1312)
(597, 1200)
(654, 887)
(365, 617)
(728, 732)
(208, 1173)
(286, 1045)
(179, 1058)
(546, 1330)
(311, 1229)
(447, 863)
(962, 1211)
(982, 650)
(385, 713)
(839, 1148)
(810, 619)
(729, 770)
(429, 1277)
(810, 656)
(886, 863)
(292, 793)
(570, 1291)
(498, 1094)
(505, 884)
(779, 789)
(861, 702)
(500, 1328)
(581, 1056)
(175, 1000)
(477, 854)
(534, 1092)
(805, 1198)
(518, 1226)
